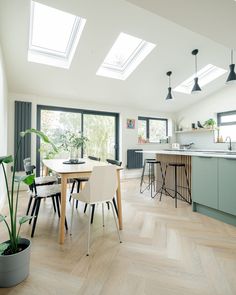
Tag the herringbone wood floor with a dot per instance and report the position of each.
(165, 251)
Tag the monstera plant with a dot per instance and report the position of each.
(15, 247)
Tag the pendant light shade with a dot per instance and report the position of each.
(169, 95)
(232, 75)
(196, 87)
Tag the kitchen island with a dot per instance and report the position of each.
(212, 176)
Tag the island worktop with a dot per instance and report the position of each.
(194, 152)
(212, 177)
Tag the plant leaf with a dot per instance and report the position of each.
(41, 135)
(25, 218)
(27, 179)
(2, 217)
(6, 159)
(3, 247)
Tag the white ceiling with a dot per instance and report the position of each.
(215, 19)
(145, 89)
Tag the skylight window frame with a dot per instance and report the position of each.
(129, 60)
(132, 62)
(187, 85)
(56, 58)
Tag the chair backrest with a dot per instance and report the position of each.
(102, 184)
(94, 158)
(114, 162)
(29, 169)
(26, 161)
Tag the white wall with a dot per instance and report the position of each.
(3, 123)
(223, 100)
(128, 137)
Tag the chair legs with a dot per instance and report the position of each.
(88, 242)
(35, 211)
(92, 215)
(37, 206)
(72, 215)
(91, 211)
(103, 224)
(29, 205)
(118, 232)
(115, 206)
(54, 206)
(72, 189)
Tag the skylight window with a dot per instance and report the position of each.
(124, 56)
(54, 35)
(205, 76)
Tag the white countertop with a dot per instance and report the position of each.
(195, 153)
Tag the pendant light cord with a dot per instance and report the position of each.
(232, 56)
(169, 81)
(196, 65)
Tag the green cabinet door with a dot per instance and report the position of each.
(204, 181)
(227, 185)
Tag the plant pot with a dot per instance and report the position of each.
(15, 268)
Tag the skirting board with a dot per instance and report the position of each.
(219, 215)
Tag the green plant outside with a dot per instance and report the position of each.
(72, 140)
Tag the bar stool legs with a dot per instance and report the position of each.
(187, 198)
(152, 181)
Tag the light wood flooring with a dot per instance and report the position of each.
(165, 251)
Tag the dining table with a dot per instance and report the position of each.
(66, 171)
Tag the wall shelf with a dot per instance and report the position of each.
(195, 130)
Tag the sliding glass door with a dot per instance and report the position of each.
(101, 129)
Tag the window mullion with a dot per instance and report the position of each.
(147, 129)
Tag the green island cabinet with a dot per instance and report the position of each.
(227, 185)
(214, 187)
(204, 181)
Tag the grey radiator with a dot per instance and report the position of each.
(134, 160)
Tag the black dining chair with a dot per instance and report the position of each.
(37, 193)
(38, 181)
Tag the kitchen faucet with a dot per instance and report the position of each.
(230, 143)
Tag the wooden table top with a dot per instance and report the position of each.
(58, 166)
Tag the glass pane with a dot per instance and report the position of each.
(122, 50)
(228, 131)
(142, 131)
(54, 124)
(157, 130)
(100, 131)
(51, 28)
(228, 118)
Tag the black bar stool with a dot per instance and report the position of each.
(187, 199)
(151, 176)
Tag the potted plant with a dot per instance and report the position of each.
(15, 252)
(210, 123)
(72, 142)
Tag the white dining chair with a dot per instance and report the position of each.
(100, 188)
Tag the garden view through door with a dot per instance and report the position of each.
(99, 127)
(100, 130)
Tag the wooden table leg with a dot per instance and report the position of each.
(45, 170)
(118, 197)
(63, 208)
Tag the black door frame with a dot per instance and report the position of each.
(82, 112)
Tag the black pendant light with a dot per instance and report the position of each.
(196, 87)
(169, 95)
(232, 76)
